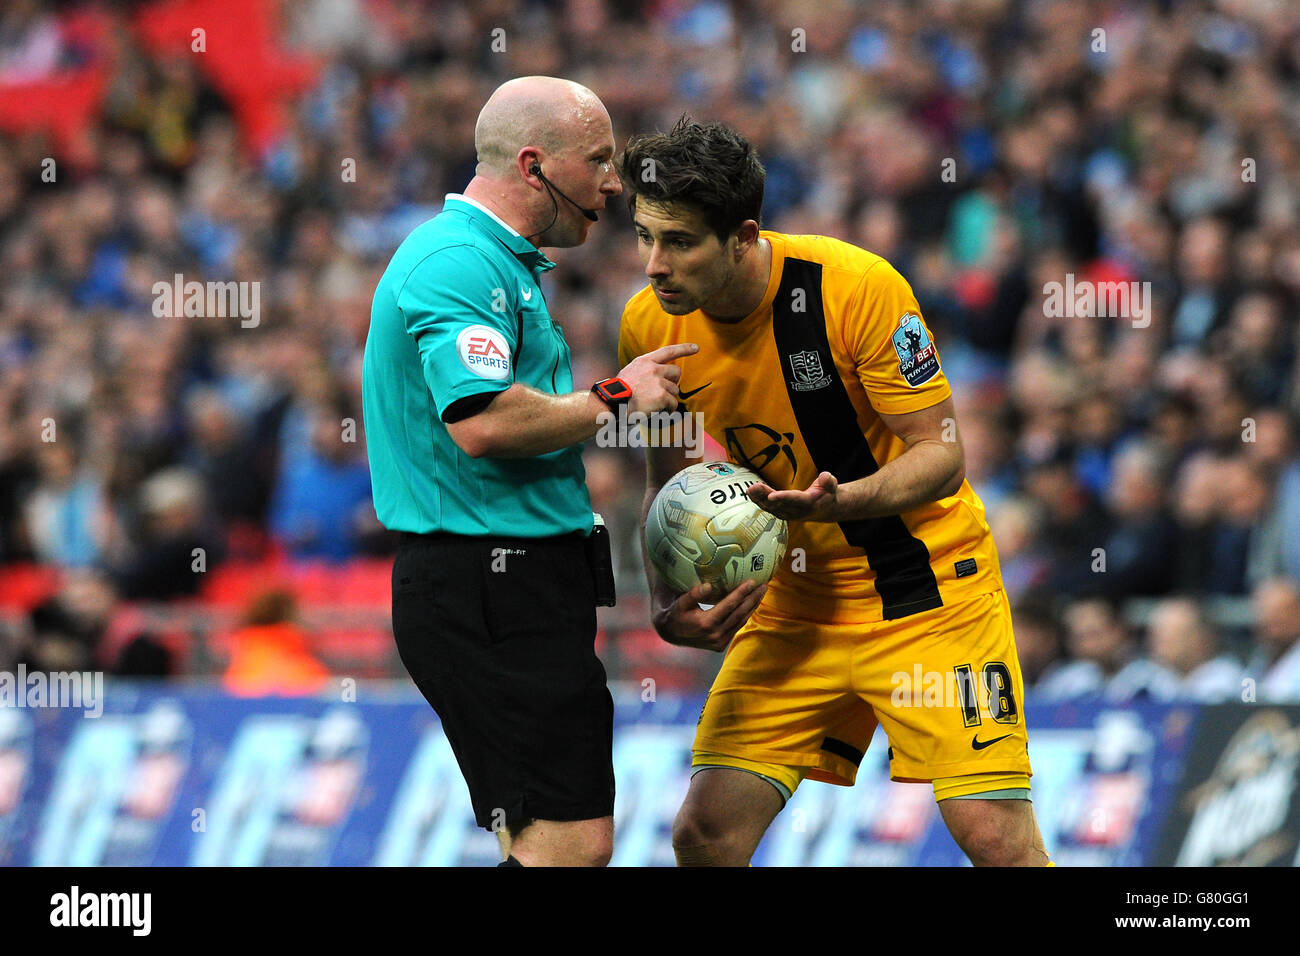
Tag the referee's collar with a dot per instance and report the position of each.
(523, 249)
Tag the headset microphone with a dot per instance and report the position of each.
(536, 170)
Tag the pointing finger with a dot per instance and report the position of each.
(670, 352)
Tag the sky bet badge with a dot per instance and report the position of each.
(917, 360)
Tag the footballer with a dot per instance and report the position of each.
(816, 370)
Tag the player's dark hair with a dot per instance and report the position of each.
(706, 166)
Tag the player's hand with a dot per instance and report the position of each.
(818, 503)
(653, 379)
(680, 620)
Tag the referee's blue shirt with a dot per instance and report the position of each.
(445, 325)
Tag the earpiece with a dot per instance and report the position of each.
(535, 169)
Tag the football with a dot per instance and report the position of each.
(703, 528)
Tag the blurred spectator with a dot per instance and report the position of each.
(1016, 524)
(987, 442)
(64, 512)
(227, 459)
(1098, 426)
(1038, 642)
(1205, 290)
(1275, 663)
(1074, 524)
(1182, 640)
(1196, 507)
(1104, 659)
(1258, 348)
(1220, 507)
(270, 655)
(322, 502)
(1172, 428)
(66, 629)
(1245, 492)
(173, 548)
(31, 43)
(1276, 449)
(1138, 547)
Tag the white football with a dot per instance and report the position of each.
(703, 528)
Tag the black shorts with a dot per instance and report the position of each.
(499, 635)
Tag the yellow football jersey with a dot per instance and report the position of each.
(797, 388)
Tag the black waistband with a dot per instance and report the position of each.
(493, 540)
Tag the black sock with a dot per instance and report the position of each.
(510, 861)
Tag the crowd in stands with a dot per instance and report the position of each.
(1140, 464)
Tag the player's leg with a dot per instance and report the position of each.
(724, 816)
(991, 818)
(772, 717)
(947, 688)
(995, 832)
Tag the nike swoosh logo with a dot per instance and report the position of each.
(528, 296)
(977, 744)
(685, 395)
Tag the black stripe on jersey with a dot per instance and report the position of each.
(833, 745)
(829, 425)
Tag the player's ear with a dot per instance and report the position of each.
(745, 238)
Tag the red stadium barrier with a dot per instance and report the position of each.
(24, 586)
(364, 582)
(242, 56)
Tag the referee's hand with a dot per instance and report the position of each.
(653, 379)
(680, 619)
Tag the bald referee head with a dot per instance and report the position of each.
(545, 159)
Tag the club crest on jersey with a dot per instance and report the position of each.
(484, 351)
(918, 361)
(808, 372)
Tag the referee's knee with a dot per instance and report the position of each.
(600, 851)
(588, 843)
(593, 844)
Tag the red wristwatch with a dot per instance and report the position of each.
(613, 391)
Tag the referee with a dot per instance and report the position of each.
(475, 435)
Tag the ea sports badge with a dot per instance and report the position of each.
(484, 351)
(918, 360)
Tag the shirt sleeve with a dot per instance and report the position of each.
(460, 309)
(627, 347)
(895, 354)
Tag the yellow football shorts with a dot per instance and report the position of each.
(797, 699)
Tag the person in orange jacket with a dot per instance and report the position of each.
(270, 655)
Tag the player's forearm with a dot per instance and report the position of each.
(658, 590)
(663, 461)
(662, 596)
(523, 422)
(927, 471)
